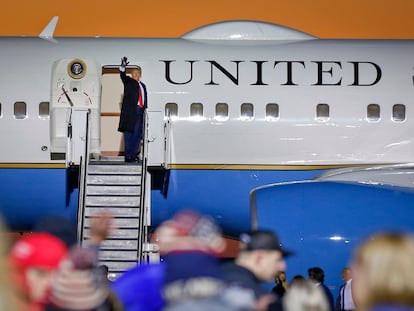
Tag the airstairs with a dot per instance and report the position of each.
(115, 187)
(109, 185)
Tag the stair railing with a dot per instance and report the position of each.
(83, 171)
(143, 210)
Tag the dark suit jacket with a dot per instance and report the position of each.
(129, 116)
(329, 296)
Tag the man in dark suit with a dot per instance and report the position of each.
(317, 276)
(134, 104)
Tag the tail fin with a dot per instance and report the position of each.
(48, 32)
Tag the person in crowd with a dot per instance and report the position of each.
(34, 260)
(260, 258)
(191, 243)
(78, 284)
(189, 277)
(317, 276)
(304, 296)
(344, 301)
(8, 291)
(383, 273)
(281, 284)
(134, 104)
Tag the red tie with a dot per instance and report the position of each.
(140, 102)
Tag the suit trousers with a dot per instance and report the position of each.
(133, 139)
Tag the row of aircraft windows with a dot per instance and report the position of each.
(222, 111)
(20, 110)
(373, 112)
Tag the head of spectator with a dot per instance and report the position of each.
(280, 277)
(189, 231)
(346, 274)
(383, 272)
(316, 275)
(261, 253)
(78, 283)
(304, 296)
(297, 279)
(34, 259)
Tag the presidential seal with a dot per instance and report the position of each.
(77, 69)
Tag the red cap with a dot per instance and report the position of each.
(38, 250)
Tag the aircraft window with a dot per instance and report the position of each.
(196, 110)
(322, 111)
(247, 111)
(171, 110)
(20, 110)
(272, 112)
(398, 112)
(44, 110)
(222, 111)
(373, 112)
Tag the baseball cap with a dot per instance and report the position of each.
(262, 240)
(38, 250)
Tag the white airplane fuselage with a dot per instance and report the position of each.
(344, 76)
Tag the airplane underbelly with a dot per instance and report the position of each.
(220, 193)
(29, 194)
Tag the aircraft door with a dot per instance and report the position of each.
(81, 79)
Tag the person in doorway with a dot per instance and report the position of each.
(134, 104)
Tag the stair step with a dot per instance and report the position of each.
(127, 201)
(115, 211)
(114, 169)
(118, 234)
(113, 180)
(119, 244)
(129, 255)
(130, 222)
(113, 190)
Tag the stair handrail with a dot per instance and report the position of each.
(143, 213)
(83, 171)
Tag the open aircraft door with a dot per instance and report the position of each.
(80, 79)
